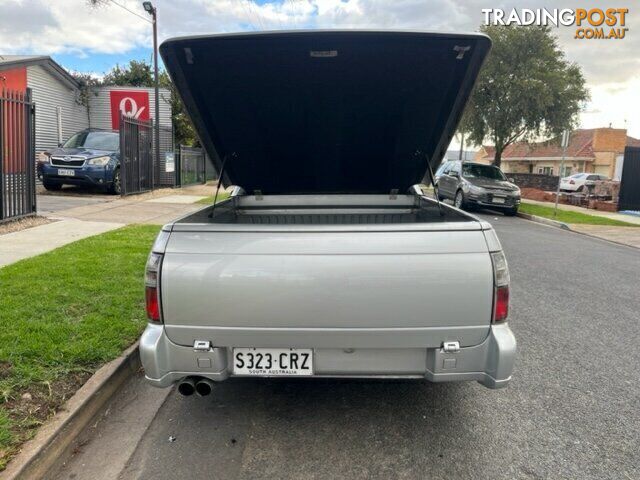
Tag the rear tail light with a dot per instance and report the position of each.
(501, 287)
(151, 278)
(572, 182)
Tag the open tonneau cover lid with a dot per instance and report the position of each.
(325, 111)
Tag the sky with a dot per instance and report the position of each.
(94, 39)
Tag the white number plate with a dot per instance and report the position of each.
(498, 199)
(66, 173)
(273, 362)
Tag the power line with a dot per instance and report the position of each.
(131, 11)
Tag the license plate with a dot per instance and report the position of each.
(498, 199)
(273, 362)
(64, 172)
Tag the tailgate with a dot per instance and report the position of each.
(330, 289)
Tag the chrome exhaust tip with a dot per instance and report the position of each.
(187, 387)
(204, 387)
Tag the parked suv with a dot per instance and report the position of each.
(90, 158)
(477, 185)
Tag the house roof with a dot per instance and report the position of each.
(8, 62)
(580, 147)
(633, 142)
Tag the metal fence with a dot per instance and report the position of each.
(136, 162)
(165, 166)
(192, 166)
(17, 155)
(629, 198)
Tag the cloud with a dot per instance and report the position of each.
(72, 27)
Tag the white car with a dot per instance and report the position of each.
(577, 181)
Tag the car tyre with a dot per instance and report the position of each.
(116, 185)
(512, 212)
(459, 201)
(52, 187)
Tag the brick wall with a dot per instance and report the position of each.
(534, 180)
(609, 140)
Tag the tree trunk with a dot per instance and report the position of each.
(497, 159)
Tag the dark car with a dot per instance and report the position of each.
(89, 158)
(478, 185)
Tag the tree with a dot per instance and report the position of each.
(185, 133)
(137, 74)
(525, 90)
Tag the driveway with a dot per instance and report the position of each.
(49, 205)
(158, 207)
(570, 412)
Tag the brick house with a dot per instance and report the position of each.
(597, 150)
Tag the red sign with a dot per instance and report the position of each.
(132, 103)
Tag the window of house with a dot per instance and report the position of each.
(545, 170)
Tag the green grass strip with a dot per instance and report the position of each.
(568, 216)
(63, 314)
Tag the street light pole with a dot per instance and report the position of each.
(151, 10)
(564, 143)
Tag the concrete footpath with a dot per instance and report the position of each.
(44, 238)
(76, 217)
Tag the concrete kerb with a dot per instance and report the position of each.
(544, 221)
(56, 439)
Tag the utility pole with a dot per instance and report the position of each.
(151, 10)
(565, 143)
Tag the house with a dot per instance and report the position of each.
(59, 113)
(597, 150)
(62, 110)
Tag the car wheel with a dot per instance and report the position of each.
(458, 201)
(116, 186)
(512, 212)
(580, 189)
(53, 187)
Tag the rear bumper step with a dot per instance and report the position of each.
(490, 362)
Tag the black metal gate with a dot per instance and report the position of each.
(136, 162)
(142, 168)
(630, 182)
(17, 155)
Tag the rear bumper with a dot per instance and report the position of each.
(490, 362)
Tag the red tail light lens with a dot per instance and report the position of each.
(501, 304)
(151, 287)
(572, 182)
(501, 281)
(153, 307)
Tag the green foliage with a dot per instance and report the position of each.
(184, 132)
(62, 315)
(86, 81)
(138, 73)
(525, 90)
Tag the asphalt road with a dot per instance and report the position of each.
(571, 411)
